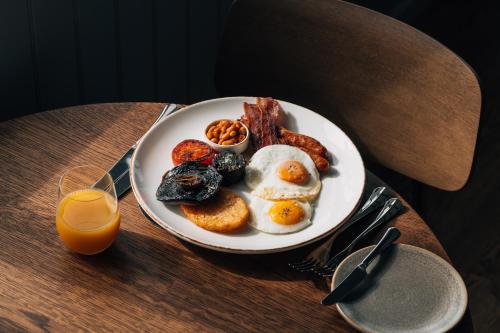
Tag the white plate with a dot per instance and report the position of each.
(340, 194)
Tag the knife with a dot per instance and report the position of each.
(120, 171)
(359, 273)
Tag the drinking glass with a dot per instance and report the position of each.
(87, 217)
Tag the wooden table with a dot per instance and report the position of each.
(149, 279)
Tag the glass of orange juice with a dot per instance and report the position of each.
(87, 217)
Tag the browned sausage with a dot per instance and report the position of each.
(321, 163)
(304, 141)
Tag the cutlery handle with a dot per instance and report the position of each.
(377, 222)
(368, 207)
(376, 193)
(390, 236)
(165, 112)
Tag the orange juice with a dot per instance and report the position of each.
(88, 220)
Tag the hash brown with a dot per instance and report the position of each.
(227, 212)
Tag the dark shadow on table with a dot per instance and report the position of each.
(263, 266)
(134, 257)
(275, 266)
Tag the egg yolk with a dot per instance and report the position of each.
(286, 212)
(293, 172)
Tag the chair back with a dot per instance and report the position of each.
(408, 102)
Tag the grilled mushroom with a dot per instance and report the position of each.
(189, 183)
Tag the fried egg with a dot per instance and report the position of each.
(279, 172)
(280, 217)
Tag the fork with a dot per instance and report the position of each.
(382, 217)
(320, 255)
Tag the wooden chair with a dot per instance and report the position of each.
(407, 101)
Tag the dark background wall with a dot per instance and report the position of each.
(56, 53)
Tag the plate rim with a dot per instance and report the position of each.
(420, 250)
(165, 226)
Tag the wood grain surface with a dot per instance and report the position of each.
(148, 280)
(407, 101)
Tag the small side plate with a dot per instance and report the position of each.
(408, 289)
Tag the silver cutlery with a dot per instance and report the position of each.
(320, 255)
(359, 273)
(120, 171)
(391, 207)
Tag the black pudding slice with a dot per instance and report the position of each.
(231, 166)
(189, 183)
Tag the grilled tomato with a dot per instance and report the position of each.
(194, 151)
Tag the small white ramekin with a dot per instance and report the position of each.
(236, 148)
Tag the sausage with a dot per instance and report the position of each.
(321, 163)
(302, 141)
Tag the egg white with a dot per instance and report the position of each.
(263, 222)
(261, 174)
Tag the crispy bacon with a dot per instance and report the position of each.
(244, 120)
(269, 136)
(265, 122)
(274, 108)
(261, 124)
(253, 117)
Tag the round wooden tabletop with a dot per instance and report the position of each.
(148, 280)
